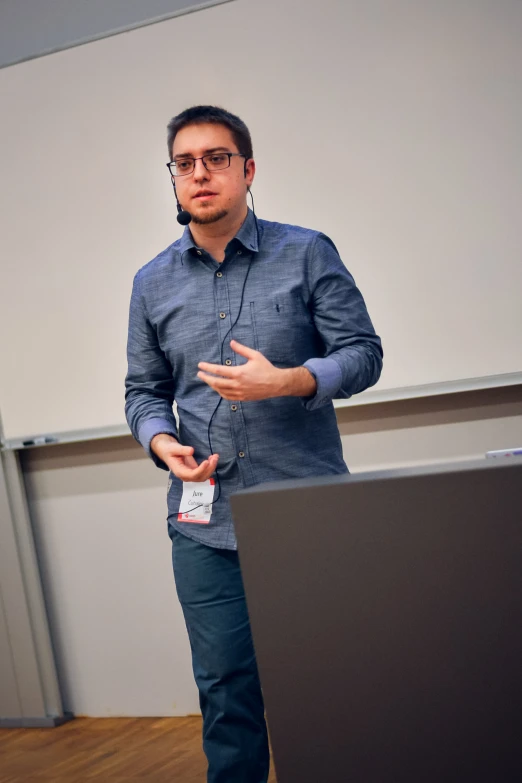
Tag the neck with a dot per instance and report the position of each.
(214, 237)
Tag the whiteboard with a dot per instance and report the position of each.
(416, 109)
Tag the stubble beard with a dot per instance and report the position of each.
(205, 220)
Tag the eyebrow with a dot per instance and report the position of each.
(206, 152)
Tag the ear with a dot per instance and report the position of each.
(250, 170)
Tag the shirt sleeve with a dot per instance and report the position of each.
(352, 359)
(149, 383)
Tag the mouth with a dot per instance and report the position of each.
(204, 195)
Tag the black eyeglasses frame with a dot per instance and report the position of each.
(202, 159)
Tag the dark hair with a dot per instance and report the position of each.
(212, 114)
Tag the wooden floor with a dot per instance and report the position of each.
(112, 750)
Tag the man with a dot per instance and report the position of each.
(252, 328)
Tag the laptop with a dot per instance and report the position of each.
(386, 612)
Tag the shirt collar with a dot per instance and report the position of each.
(247, 235)
(186, 241)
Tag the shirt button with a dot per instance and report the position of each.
(233, 407)
(198, 252)
(239, 252)
(222, 315)
(219, 274)
(228, 362)
(241, 453)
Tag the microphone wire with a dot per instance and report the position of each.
(221, 358)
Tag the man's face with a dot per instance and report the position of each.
(210, 196)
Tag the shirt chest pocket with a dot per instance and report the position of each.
(282, 327)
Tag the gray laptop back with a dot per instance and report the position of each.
(386, 611)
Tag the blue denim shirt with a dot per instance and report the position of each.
(299, 306)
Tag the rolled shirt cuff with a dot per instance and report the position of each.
(328, 377)
(148, 430)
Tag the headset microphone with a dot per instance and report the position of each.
(183, 217)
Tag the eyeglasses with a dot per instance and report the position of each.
(213, 162)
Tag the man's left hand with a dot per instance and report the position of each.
(258, 379)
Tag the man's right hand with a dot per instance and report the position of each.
(179, 459)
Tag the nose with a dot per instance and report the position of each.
(200, 173)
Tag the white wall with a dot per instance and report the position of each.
(447, 428)
(413, 111)
(99, 511)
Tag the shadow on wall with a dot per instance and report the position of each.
(428, 411)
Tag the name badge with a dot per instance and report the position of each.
(196, 502)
